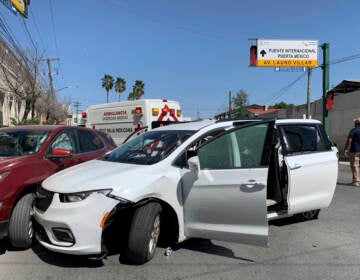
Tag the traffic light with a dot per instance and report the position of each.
(329, 101)
(253, 55)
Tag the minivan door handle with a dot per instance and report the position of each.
(251, 186)
(251, 183)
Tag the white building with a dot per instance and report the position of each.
(14, 77)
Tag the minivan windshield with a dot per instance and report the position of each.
(149, 148)
(21, 142)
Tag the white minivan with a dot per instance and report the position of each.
(217, 180)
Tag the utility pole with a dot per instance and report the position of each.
(48, 60)
(51, 96)
(76, 104)
(325, 83)
(230, 104)
(308, 103)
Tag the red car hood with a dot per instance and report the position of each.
(10, 162)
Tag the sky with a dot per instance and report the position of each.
(192, 51)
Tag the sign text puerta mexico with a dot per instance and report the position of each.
(287, 53)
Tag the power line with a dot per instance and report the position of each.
(165, 23)
(29, 34)
(283, 90)
(8, 36)
(341, 60)
(276, 95)
(37, 28)
(54, 31)
(345, 59)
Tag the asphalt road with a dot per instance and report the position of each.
(327, 248)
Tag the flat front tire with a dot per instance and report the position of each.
(21, 228)
(144, 233)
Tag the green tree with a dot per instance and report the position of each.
(120, 86)
(282, 105)
(240, 102)
(138, 90)
(107, 82)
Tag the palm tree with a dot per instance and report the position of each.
(131, 96)
(138, 89)
(120, 86)
(107, 82)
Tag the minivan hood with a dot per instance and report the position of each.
(93, 175)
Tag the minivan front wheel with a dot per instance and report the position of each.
(310, 215)
(21, 228)
(144, 233)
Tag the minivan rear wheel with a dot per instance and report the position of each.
(144, 233)
(21, 228)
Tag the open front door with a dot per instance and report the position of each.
(228, 198)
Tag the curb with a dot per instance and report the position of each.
(344, 163)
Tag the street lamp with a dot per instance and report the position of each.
(57, 90)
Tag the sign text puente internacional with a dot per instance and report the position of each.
(287, 53)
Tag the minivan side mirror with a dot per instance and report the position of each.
(194, 165)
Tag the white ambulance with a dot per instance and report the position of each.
(121, 119)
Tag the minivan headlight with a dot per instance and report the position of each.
(79, 196)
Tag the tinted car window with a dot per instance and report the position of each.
(251, 143)
(107, 137)
(21, 142)
(305, 138)
(64, 140)
(181, 161)
(89, 141)
(241, 148)
(218, 154)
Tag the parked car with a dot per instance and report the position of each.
(213, 180)
(28, 155)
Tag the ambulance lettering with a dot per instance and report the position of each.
(115, 115)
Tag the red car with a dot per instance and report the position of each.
(28, 155)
